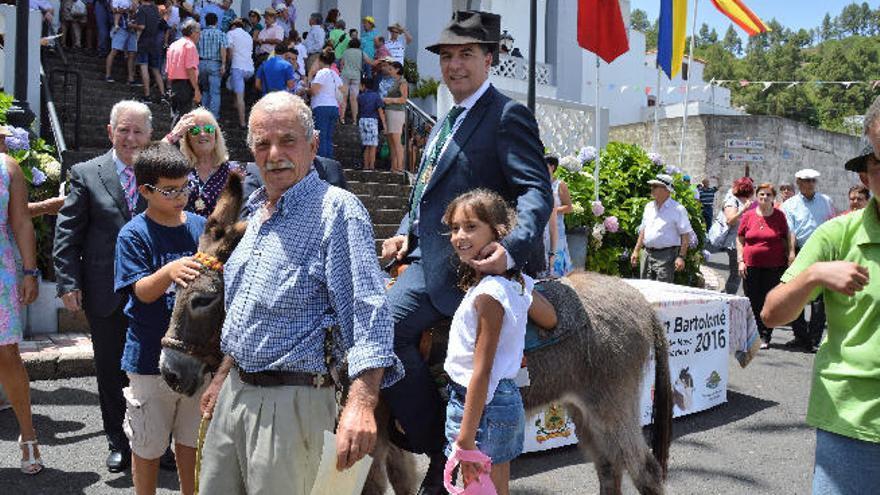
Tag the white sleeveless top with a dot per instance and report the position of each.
(463, 332)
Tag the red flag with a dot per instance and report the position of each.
(601, 29)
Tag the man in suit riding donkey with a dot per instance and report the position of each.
(103, 197)
(485, 141)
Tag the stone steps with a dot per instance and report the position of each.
(384, 194)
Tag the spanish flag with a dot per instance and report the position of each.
(741, 16)
(601, 29)
(670, 39)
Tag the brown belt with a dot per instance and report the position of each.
(273, 378)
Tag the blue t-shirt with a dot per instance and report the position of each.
(369, 103)
(274, 74)
(143, 247)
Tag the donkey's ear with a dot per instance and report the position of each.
(228, 206)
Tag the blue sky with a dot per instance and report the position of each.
(793, 14)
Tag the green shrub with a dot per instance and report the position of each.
(623, 191)
(42, 173)
(425, 88)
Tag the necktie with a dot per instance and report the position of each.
(130, 188)
(431, 161)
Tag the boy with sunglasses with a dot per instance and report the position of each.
(154, 254)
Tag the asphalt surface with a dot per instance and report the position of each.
(755, 443)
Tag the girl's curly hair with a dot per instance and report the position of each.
(488, 207)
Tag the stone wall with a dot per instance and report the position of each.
(789, 147)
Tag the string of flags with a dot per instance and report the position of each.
(741, 83)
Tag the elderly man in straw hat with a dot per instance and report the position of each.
(485, 141)
(805, 212)
(305, 265)
(664, 233)
(841, 262)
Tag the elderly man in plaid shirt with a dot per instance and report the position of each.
(212, 63)
(306, 263)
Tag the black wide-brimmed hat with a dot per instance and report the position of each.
(469, 27)
(860, 163)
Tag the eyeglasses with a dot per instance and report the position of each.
(207, 129)
(171, 193)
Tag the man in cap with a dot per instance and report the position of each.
(281, 18)
(805, 212)
(664, 232)
(396, 44)
(485, 141)
(841, 262)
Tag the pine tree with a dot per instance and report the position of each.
(732, 42)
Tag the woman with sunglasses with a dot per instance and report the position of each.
(202, 143)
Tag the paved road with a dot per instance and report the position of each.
(755, 443)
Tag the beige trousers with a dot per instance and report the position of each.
(265, 440)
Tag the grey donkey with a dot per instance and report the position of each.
(595, 370)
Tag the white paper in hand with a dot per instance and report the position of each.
(332, 482)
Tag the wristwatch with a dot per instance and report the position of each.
(33, 272)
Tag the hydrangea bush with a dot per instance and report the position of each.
(43, 175)
(612, 222)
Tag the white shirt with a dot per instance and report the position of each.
(664, 227)
(314, 40)
(301, 54)
(397, 48)
(242, 46)
(515, 299)
(329, 81)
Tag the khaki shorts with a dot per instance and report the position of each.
(154, 411)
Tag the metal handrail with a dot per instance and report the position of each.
(77, 106)
(416, 130)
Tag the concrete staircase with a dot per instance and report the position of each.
(384, 194)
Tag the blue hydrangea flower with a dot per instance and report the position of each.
(656, 159)
(37, 177)
(19, 140)
(587, 154)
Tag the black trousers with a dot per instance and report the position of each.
(182, 94)
(810, 332)
(757, 284)
(108, 341)
(414, 400)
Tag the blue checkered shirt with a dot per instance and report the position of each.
(311, 265)
(211, 41)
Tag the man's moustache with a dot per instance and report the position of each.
(280, 165)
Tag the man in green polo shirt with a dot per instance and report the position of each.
(841, 261)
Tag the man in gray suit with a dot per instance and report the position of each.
(102, 198)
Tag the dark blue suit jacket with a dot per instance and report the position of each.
(496, 147)
(328, 170)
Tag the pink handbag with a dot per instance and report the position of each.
(482, 486)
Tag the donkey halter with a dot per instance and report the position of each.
(209, 262)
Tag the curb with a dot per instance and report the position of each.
(58, 356)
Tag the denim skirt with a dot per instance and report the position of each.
(501, 431)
